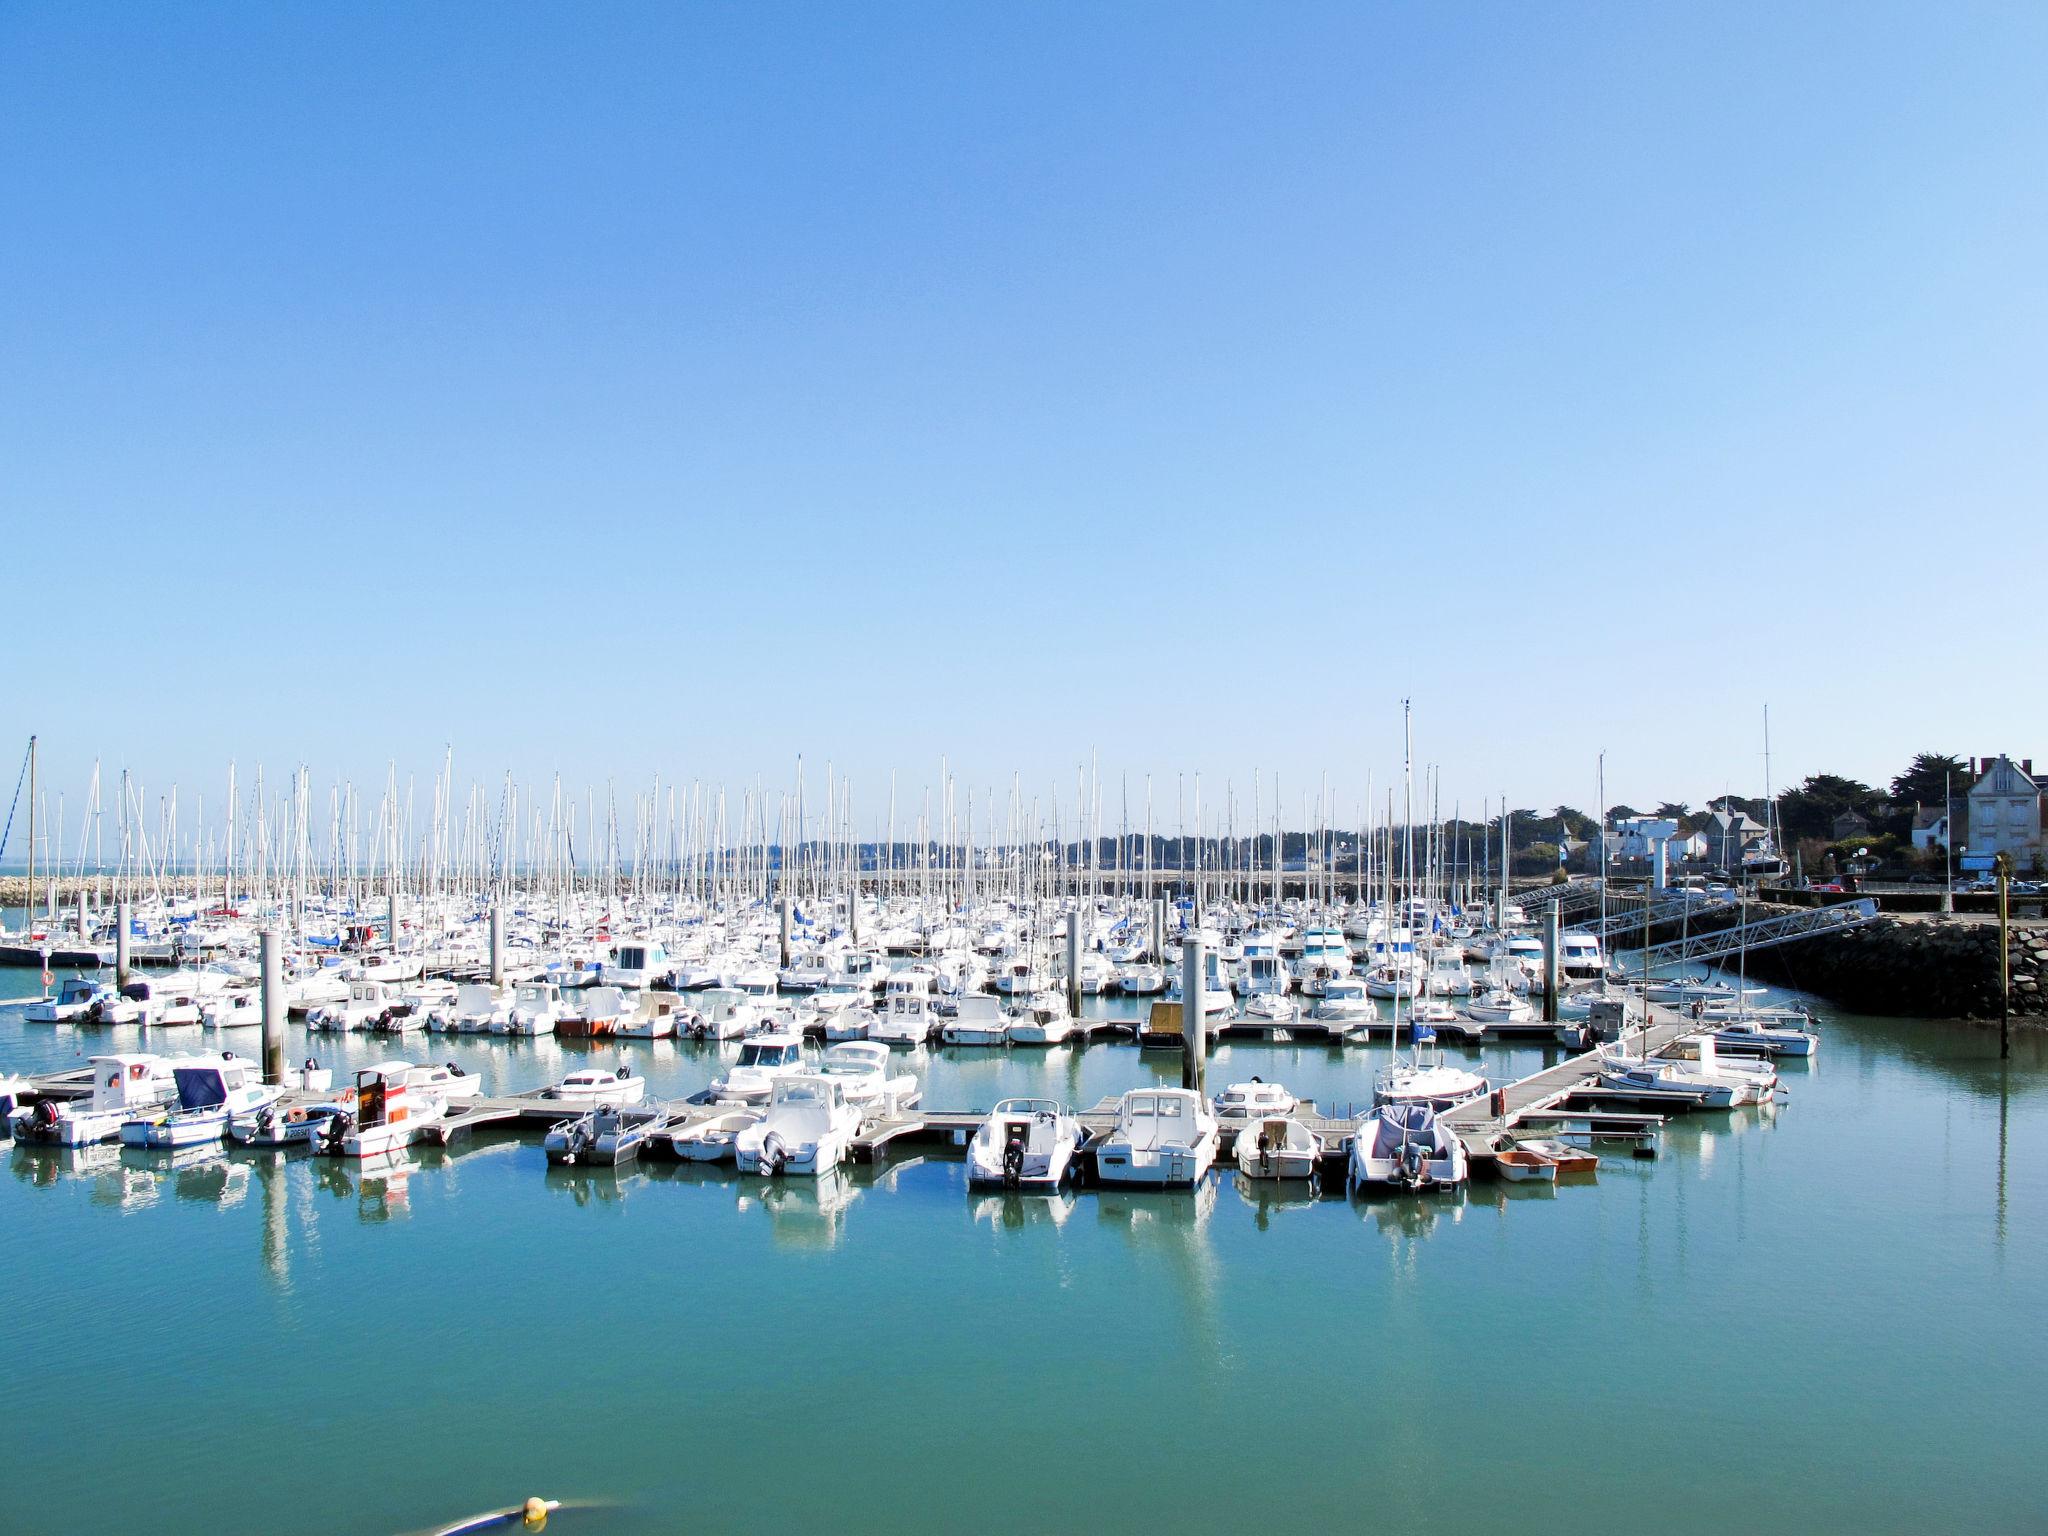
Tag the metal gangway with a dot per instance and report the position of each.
(1758, 933)
(1572, 897)
(1664, 909)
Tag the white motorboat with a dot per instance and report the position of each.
(122, 1087)
(1447, 976)
(448, 1083)
(806, 1129)
(653, 1015)
(980, 1020)
(276, 1127)
(763, 1059)
(861, 1068)
(211, 1090)
(1162, 1136)
(725, 1013)
(477, 1008)
(1241, 1102)
(1141, 980)
(843, 1023)
(1404, 1146)
(1278, 1147)
(366, 1002)
(1043, 1020)
(1272, 1008)
(1025, 1144)
(604, 1136)
(600, 1085)
(909, 1013)
(74, 1001)
(711, 1141)
(381, 1117)
(236, 1008)
(637, 964)
(1344, 998)
(536, 1010)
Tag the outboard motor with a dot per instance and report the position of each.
(1415, 1163)
(773, 1155)
(1013, 1158)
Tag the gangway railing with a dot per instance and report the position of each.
(1758, 933)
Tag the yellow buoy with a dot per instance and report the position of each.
(536, 1515)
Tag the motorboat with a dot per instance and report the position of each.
(711, 1141)
(806, 1129)
(1278, 1147)
(763, 1059)
(980, 1020)
(381, 1117)
(725, 1013)
(637, 964)
(600, 1085)
(449, 1083)
(1141, 980)
(236, 1008)
(1241, 1102)
(1447, 976)
(861, 1068)
(1271, 1008)
(367, 1001)
(593, 1015)
(654, 1016)
(909, 1013)
(1580, 958)
(211, 1090)
(122, 1087)
(1025, 1144)
(1325, 957)
(1404, 1146)
(1162, 1136)
(14, 1093)
(1043, 1020)
(1344, 998)
(603, 1136)
(536, 1010)
(74, 1000)
(477, 1008)
(845, 1023)
(276, 1126)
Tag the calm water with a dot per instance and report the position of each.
(1824, 1316)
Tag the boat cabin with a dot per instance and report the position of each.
(125, 1082)
(381, 1094)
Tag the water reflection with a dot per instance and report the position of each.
(380, 1186)
(804, 1213)
(1009, 1210)
(1269, 1196)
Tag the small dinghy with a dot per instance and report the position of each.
(1522, 1164)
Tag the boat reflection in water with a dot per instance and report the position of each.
(1268, 1196)
(203, 1173)
(806, 1213)
(1011, 1210)
(380, 1185)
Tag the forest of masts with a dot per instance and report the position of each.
(704, 845)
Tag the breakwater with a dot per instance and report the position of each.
(1922, 966)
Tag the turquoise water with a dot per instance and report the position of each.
(1823, 1316)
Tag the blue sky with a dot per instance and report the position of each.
(619, 389)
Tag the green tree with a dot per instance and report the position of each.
(1811, 809)
(1932, 775)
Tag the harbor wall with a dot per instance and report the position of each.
(1920, 967)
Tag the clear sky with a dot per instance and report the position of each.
(620, 389)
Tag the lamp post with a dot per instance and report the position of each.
(2004, 868)
(1948, 852)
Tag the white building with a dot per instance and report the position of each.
(2005, 811)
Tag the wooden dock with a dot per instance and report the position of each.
(1565, 1097)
